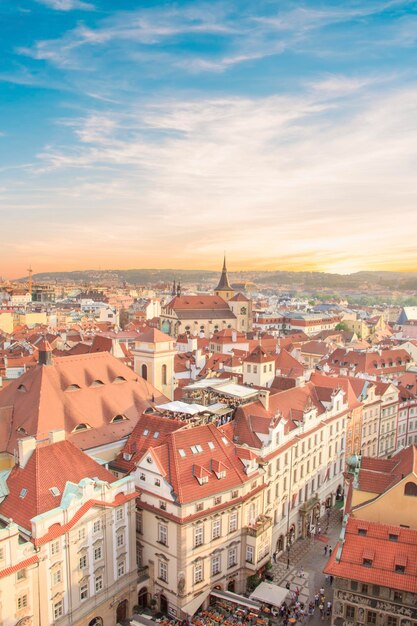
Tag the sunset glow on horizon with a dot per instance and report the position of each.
(159, 136)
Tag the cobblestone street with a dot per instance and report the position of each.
(307, 555)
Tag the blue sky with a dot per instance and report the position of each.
(159, 134)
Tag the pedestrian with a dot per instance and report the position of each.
(330, 551)
(287, 585)
(331, 579)
(316, 599)
(319, 530)
(321, 609)
(274, 556)
(322, 591)
(328, 608)
(327, 579)
(325, 550)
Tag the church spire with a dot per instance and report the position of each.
(224, 284)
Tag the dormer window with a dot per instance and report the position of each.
(119, 418)
(399, 569)
(119, 379)
(21, 430)
(202, 479)
(362, 532)
(367, 562)
(23, 493)
(22, 388)
(127, 456)
(80, 427)
(393, 537)
(97, 383)
(55, 491)
(73, 387)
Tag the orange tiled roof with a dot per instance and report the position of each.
(384, 554)
(87, 389)
(49, 466)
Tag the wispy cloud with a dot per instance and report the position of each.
(68, 5)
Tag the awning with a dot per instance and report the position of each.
(194, 604)
(270, 594)
(235, 598)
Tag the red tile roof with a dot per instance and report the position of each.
(87, 389)
(49, 466)
(385, 554)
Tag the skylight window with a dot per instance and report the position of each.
(55, 491)
(199, 448)
(211, 445)
(194, 449)
(23, 493)
(181, 452)
(146, 432)
(225, 441)
(156, 435)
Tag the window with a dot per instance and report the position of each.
(249, 554)
(376, 590)
(21, 574)
(157, 482)
(410, 489)
(398, 596)
(233, 522)
(392, 621)
(354, 585)
(199, 506)
(365, 588)
(81, 534)
(350, 612)
(97, 526)
(119, 514)
(216, 530)
(98, 552)
(83, 561)
(232, 557)
(371, 617)
(57, 577)
(199, 536)
(217, 500)
(164, 374)
(198, 573)
(98, 583)
(235, 494)
(163, 534)
(162, 505)
(142, 476)
(58, 609)
(215, 565)
(83, 591)
(120, 540)
(54, 547)
(22, 602)
(163, 571)
(121, 568)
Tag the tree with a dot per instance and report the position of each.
(341, 326)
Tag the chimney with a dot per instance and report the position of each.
(264, 398)
(56, 435)
(25, 448)
(45, 352)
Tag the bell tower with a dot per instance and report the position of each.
(154, 355)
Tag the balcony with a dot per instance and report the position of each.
(143, 573)
(262, 523)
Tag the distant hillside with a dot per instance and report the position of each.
(273, 279)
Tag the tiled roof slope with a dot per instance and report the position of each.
(49, 466)
(180, 470)
(87, 389)
(385, 555)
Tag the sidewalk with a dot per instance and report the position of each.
(308, 554)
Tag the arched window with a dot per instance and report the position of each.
(164, 374)
(96, 621)
(81, 427)
(410, 489)
(144, 371)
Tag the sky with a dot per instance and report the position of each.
(139, 133)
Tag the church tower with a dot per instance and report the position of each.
(223, 289)
(154, 355)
